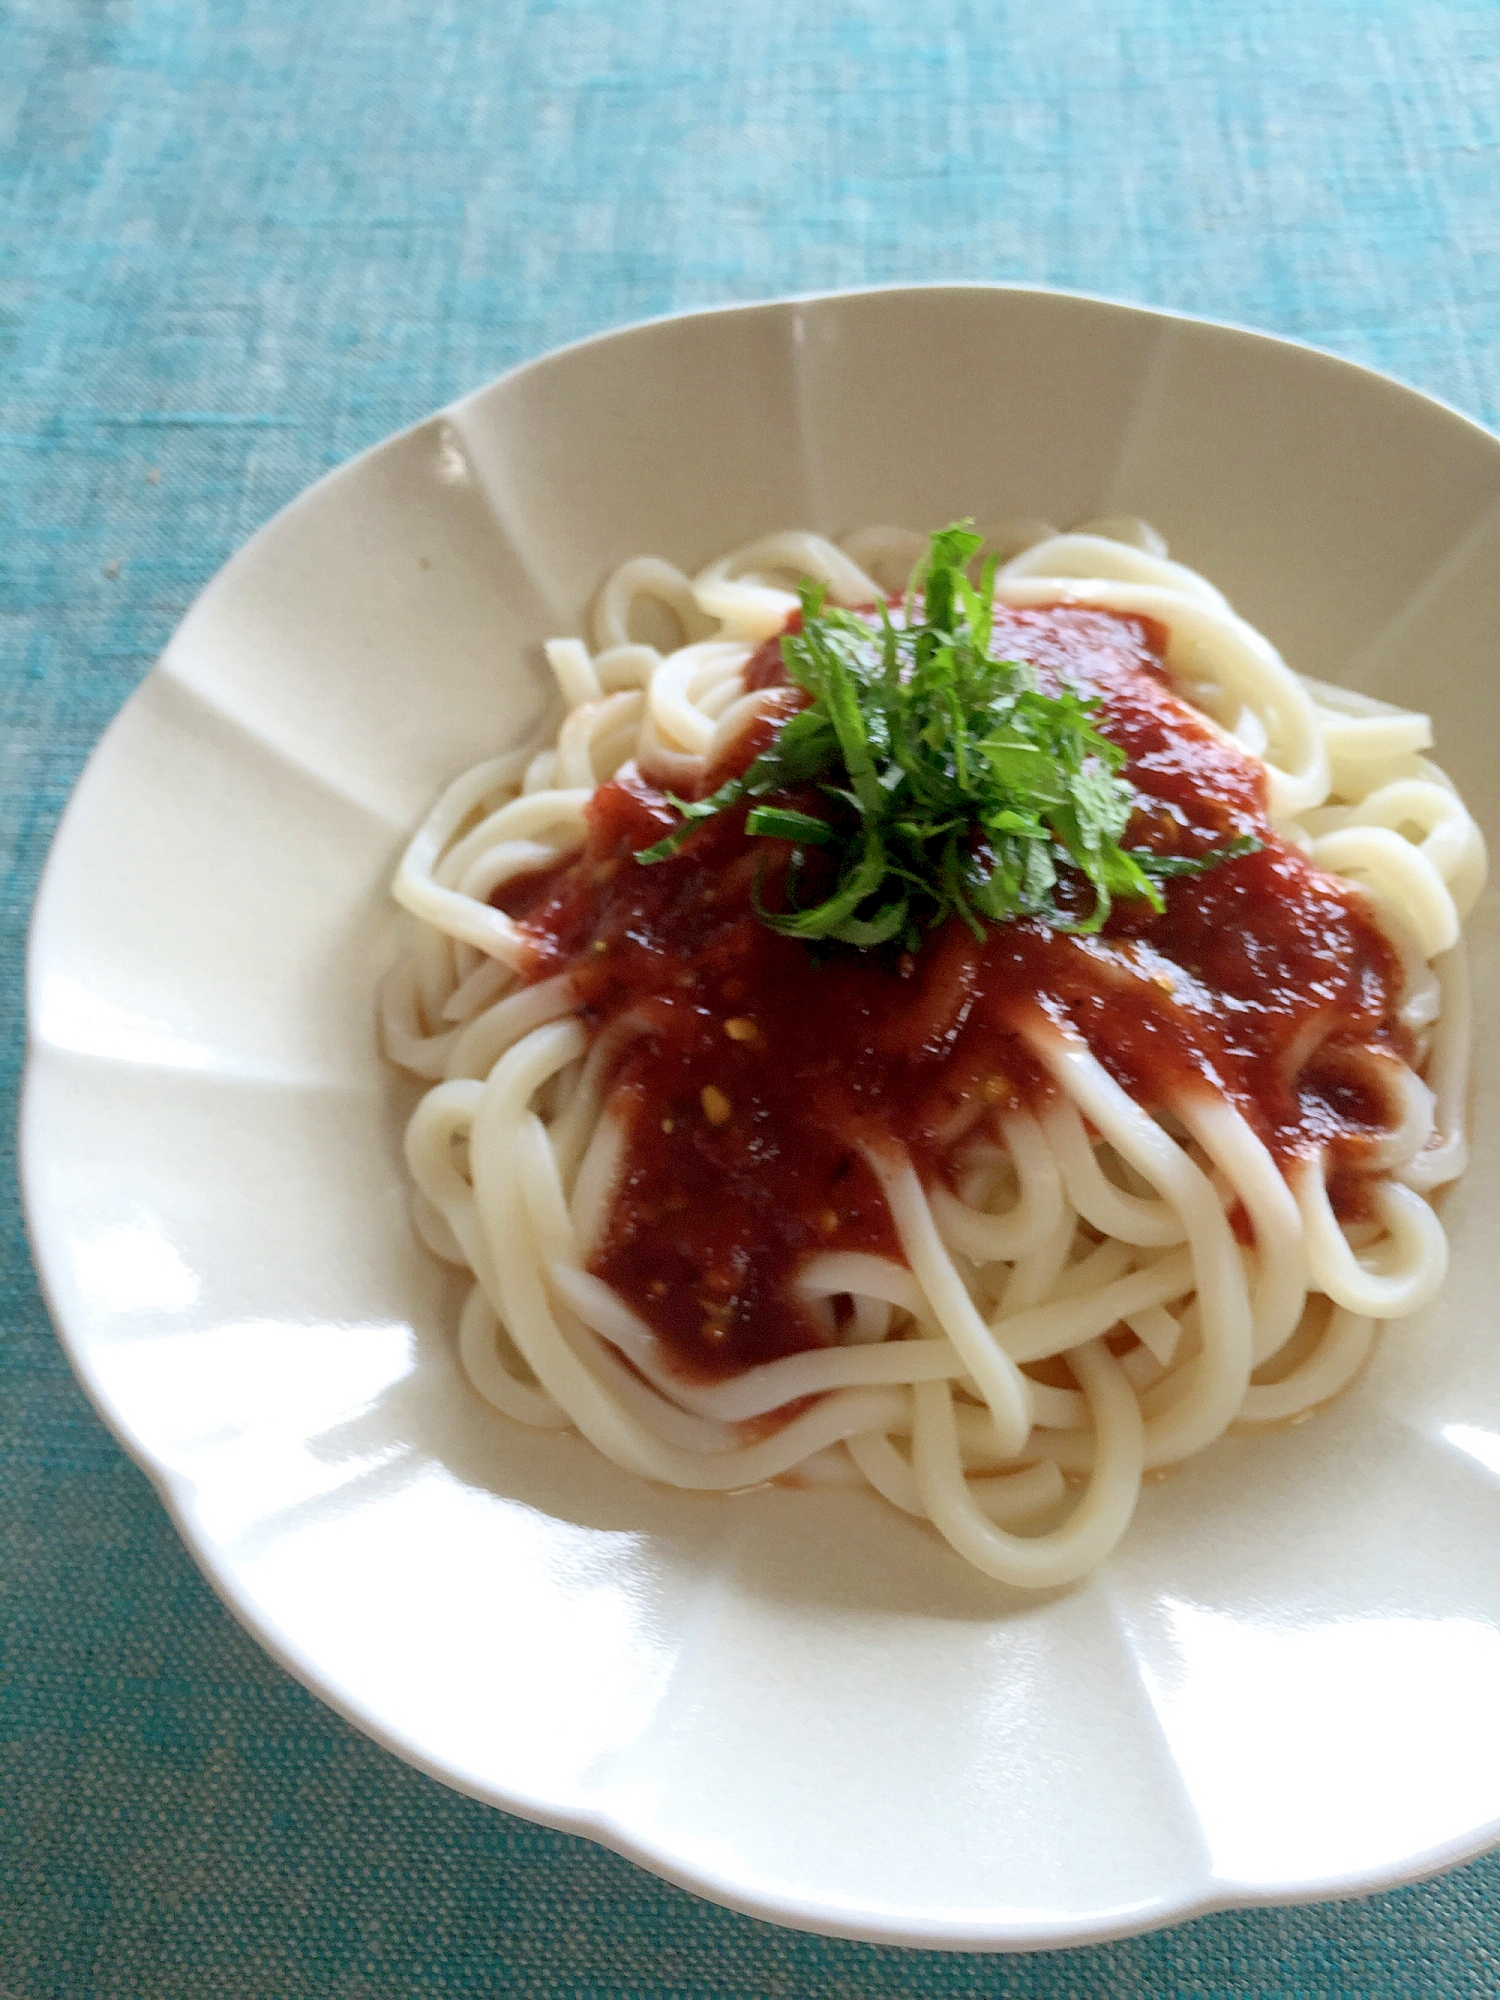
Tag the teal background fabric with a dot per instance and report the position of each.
(241, 239)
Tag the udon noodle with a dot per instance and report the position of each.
(1083, 1266)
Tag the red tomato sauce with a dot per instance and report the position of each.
(762, 1064)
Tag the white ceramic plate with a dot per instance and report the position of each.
(800, 1704)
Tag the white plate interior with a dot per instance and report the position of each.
(802, 1704)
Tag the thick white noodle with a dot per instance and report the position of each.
(1058, 1232)
(989, 1238)
(1330, 1367)
(1448, 1078)
(1095, 1525)
(1402, 1271)
(1095, 555)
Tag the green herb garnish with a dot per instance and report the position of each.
(956, 786)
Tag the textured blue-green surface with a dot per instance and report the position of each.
(237, 243)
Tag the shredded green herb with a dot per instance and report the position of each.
(956, 786)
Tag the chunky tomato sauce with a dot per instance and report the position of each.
(760, 1064)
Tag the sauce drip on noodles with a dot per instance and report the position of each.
(756, 1068)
